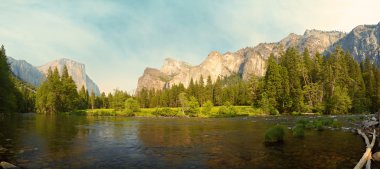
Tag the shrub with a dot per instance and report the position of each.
(227, 110)
(336, 124)
(131, 105)
(318, 125)
(193, 109)
(206, 109)
(166, 112)
(294, 113)
(298, 131)
(274, 134)
(273, 111)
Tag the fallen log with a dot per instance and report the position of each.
(367, 156)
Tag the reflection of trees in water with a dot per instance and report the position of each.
(60, 137)
(211, 143)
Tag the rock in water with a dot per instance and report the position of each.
(6, 165)
(376, 156)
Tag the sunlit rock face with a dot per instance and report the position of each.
(76, 70)
(36, 75)
(246, 62)
(362, 42)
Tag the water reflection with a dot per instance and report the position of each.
(38, 141)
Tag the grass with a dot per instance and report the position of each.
(215, 112)
(274, 134)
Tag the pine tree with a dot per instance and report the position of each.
(201, 91)
(208, 89)
(69, 97)
(273, 82)
(7, 90)
(217, 92)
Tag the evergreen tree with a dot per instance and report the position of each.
(217, 92)
(208, 89)
(57, 94)
(272, 81)
(7, 90)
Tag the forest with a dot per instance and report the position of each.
(295, 82)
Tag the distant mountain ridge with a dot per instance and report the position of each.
(246, 61)
(36, 75)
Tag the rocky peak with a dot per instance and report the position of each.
(172, 67)
(76, 70)
(362, 42)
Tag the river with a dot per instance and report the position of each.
(39, 141)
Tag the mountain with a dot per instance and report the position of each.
(362, 42)
(36, 75)
(246, 61)
(26, 72)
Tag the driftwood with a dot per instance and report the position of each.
(367, 156)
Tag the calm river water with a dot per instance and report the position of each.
(38, 141)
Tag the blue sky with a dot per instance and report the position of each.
(116, 40)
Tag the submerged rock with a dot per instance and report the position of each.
(6, 165)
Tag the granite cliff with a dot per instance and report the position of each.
(246, 61)
(36, 75)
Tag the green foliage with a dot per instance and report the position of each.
(227, 110)
(131, 106)
(8, 92)
(166, 112)
(274, 134)
(319, 123)
(207, 107)
(273, 111)
(299, 131)
(193, 110)
(118, 99)
(294, 82)
(340, 102)
(57, 93)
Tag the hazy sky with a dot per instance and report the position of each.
(116, 40)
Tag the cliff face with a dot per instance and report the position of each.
(362, 42)
(26, 72)
(36, 75)
(247, 61)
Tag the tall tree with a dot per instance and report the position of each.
(273, 82)
(7, 90)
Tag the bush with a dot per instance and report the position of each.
(273, 111)
(336, 124)
(298, 131)
(318, 125)
(227, 110)
(165, 112)
(294, 113)
(274, 134)
(193, 109)
(206, 109)
(131, 105)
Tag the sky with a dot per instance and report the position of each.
(118, 39)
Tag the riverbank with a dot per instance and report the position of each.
(214, 112)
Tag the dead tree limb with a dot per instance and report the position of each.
(367, 156)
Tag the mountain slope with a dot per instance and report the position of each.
(362, 42)
(36, 75)
(26, 72)
(246, 61)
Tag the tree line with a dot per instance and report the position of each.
(294, 82)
